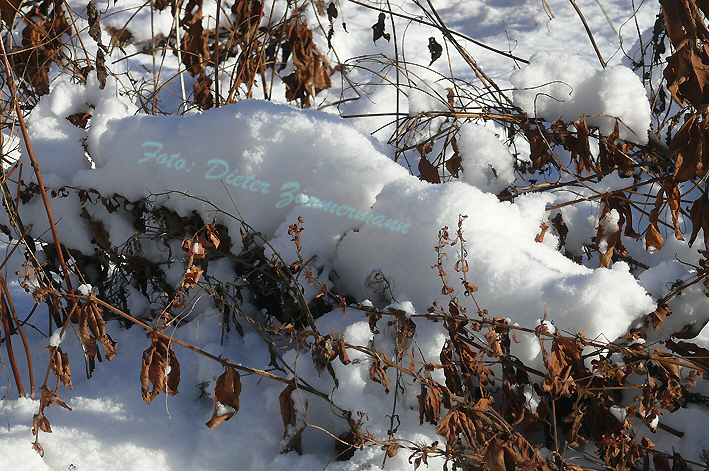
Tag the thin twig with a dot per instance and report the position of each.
(588, 31)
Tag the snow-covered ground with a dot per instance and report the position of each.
(363, 214)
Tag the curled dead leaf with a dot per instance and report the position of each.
(658, 315)
(94, 26)
(40, 422)
(293, 424)
(226, 397)
(539, 238)
(49, 397)
(378, 29)
(101, 71)
(699, 215)
(191, 277)
(378, 375)
(327, 349)
(430, 404)
(427, 171)
(194, 248)
(160, 367)
(59, 363)
(92, 327)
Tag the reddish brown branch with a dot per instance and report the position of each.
(8, 345)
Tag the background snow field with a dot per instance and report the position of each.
(366, 215)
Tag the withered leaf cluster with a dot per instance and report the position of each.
(92, 329)
(196, 248)
(159, 367)
(41, 42)
(311, 74)
(687, 71)
(40, 421)
(59, 364)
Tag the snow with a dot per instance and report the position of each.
(531, 399)
(487, 162)
(369, 224)
(559, 85)
(223, 409)
(548, 326)
(56, 339)
(618, 412)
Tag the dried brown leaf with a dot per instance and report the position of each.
(434, 49)
(119, 37)
(495, 456)
(539, 238)
(94, 26)
(191, 277)
(327, 349)
(430, 404)
(101, 72)
(155, 363)
(40, 422)
(391, 449)
(92, 327)
(687, 148)
(378, 29)
(209, 238)
(59, 363)
(538, 147)
(658, 315)
(428, 171)
(699, 214)
(687, 75)
(203, 95)
(79, 120)
(378, 375)
(49, 397)
(293, 427)
(194, 247)
(226, 397)
(454, 164)
(194, 46)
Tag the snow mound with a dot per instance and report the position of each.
(518, 278)
(556, 85)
